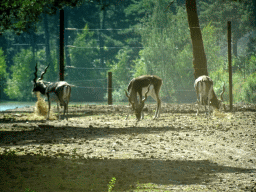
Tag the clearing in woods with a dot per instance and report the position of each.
(177, 152)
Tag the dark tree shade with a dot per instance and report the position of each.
(20, 15)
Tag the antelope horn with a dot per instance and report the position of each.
(146, 94)
(129, 98)
(35, 74)
(44, 72)
(127, 94)
(221, 94)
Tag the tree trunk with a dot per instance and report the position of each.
(199, 57)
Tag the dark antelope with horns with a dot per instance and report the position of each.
(205, 93)
(148, 85)
(61, 88)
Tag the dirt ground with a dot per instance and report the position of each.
(177, 152)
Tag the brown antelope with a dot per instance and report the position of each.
(148, 85)
(205, 93)
(61, 88)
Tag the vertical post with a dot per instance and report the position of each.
(230, 67)
(109, 88)
(67, 57)
(61, 45)
(102, 26)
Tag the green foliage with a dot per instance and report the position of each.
(218, 11)
(84, 59)
(245, 64)
(111, 184)
(139, 67)
(244, 89)
(121, 73)
(249, 93)
(167, 53)
(244, 79)
(161, 29)
(19, 85)
(3, 66)
(79, 55)
(52, 73)
(23, 14)
(212, 50)
(251, 65)
(3, 73)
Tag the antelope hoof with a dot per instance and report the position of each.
(155, 117)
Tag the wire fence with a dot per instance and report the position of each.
(92, 86)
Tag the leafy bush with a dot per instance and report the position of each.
(19, 85)
(111, 184)
(121, 74)
(168, 54)
(249, 93)
(3, 66)
(3, 73)
(244, 87)
(83, 61)
(244, 90)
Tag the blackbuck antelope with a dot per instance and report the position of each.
(205, 93)
(61, 88)
(148, 85)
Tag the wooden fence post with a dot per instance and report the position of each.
(61, 45)
(109, 88)
(230, 67)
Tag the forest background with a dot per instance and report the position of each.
(130, 38)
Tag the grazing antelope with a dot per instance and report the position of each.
(148, 85)
(205, 93)
(61, 88)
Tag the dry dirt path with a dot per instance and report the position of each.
(179, 151)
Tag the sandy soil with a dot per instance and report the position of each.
(177, 152)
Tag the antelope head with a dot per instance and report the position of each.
(217, 103)
(137, 107)
(38, 83)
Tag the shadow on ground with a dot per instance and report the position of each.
(41, 173)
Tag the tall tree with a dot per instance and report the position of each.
(199, 57)
(218, 12)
